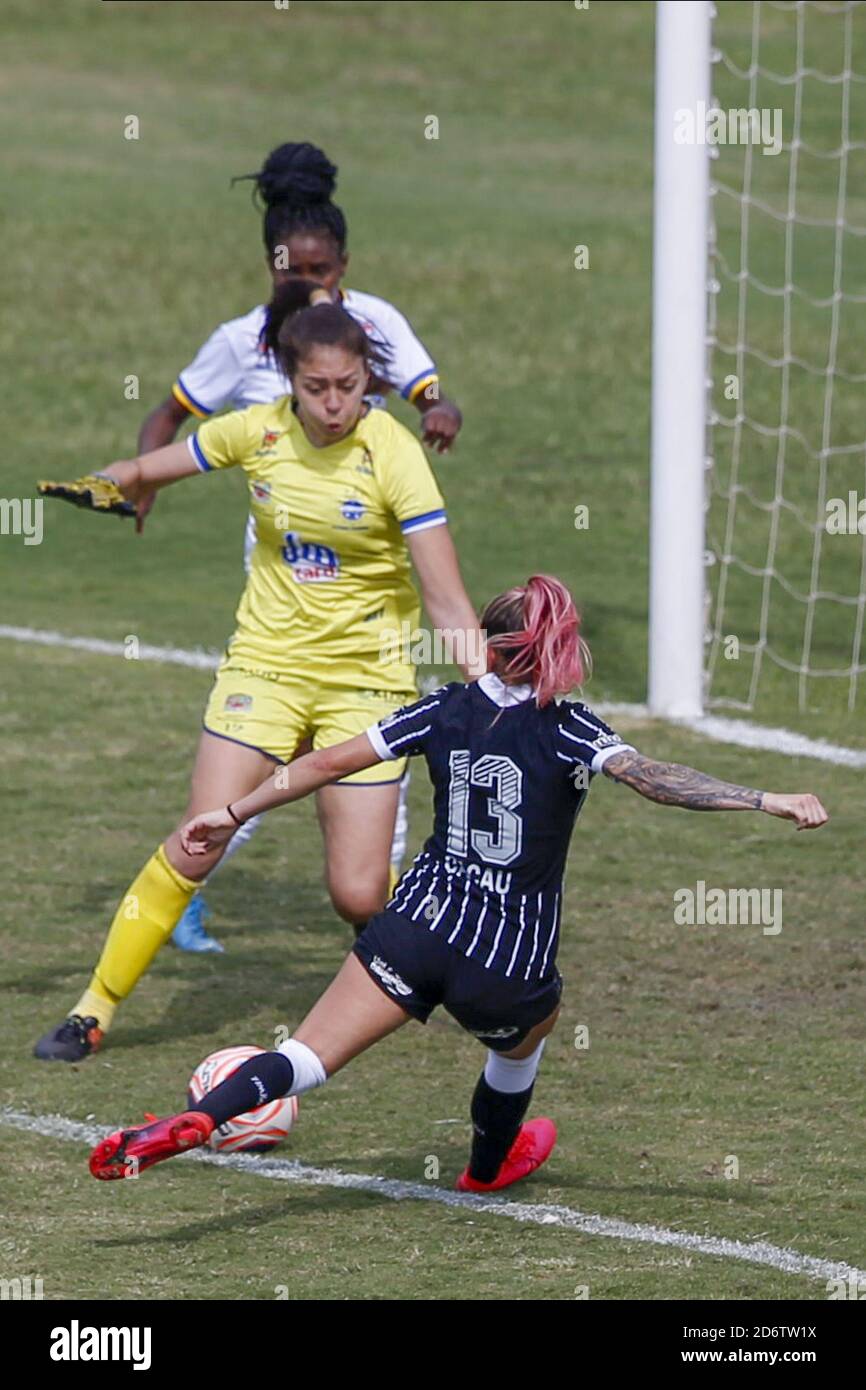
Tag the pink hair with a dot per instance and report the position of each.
(538, 626)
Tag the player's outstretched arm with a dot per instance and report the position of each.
(672, 784)
(121, 486)
(158, 430)
(290, 782)
(141, 475)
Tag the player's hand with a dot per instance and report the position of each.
(805, 809)
(143, 509)
(204, 833)
(441, 426)
(95, 492)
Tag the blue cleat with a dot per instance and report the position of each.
(190, 933)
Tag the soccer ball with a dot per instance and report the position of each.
(257, 1130)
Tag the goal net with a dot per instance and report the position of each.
(785, 472)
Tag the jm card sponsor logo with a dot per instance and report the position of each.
(309, 561)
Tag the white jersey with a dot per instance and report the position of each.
(234, 368)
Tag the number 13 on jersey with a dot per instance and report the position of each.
(504, 779)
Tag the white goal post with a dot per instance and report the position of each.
(679, 364)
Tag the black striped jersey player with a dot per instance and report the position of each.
(473, 924)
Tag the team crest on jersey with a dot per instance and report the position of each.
(261, 491)
(352, 509)
(238, 702)
(310, 562)
(269, 439)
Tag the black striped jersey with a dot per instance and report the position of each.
(509, 780)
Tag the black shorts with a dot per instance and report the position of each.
(419, 970)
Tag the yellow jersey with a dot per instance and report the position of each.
(330, 583)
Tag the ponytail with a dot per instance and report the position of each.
(537, 629)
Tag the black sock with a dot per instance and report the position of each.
(496, 1119)
(257, 1080)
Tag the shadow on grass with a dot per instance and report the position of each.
(330, 1201)
(223, 1009)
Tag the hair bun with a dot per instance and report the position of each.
(297, 174)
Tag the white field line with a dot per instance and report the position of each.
(171, 656)
(290, 1170)
(735, 731)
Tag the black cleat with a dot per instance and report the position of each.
(73, 1040)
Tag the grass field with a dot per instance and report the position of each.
(704, 1042)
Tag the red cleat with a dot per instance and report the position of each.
(532, 1147)
(126, 1152)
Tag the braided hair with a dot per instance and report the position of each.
(294, 186)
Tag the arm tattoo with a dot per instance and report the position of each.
(672, 784)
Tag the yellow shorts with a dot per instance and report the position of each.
(273, 715)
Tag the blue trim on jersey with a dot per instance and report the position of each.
(417, 523)
(199, 456)
(410, 385)
(205, 410)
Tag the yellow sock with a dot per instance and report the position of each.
(393, 880)
(148, 914)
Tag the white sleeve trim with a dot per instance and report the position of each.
(190, 444)
(600, 758)
(380, 747)
(409, 528)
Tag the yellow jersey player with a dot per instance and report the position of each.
(304, 234)
(344, 498)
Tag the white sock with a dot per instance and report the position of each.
(307, 1067)
(510, 1074)
(243, 833)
